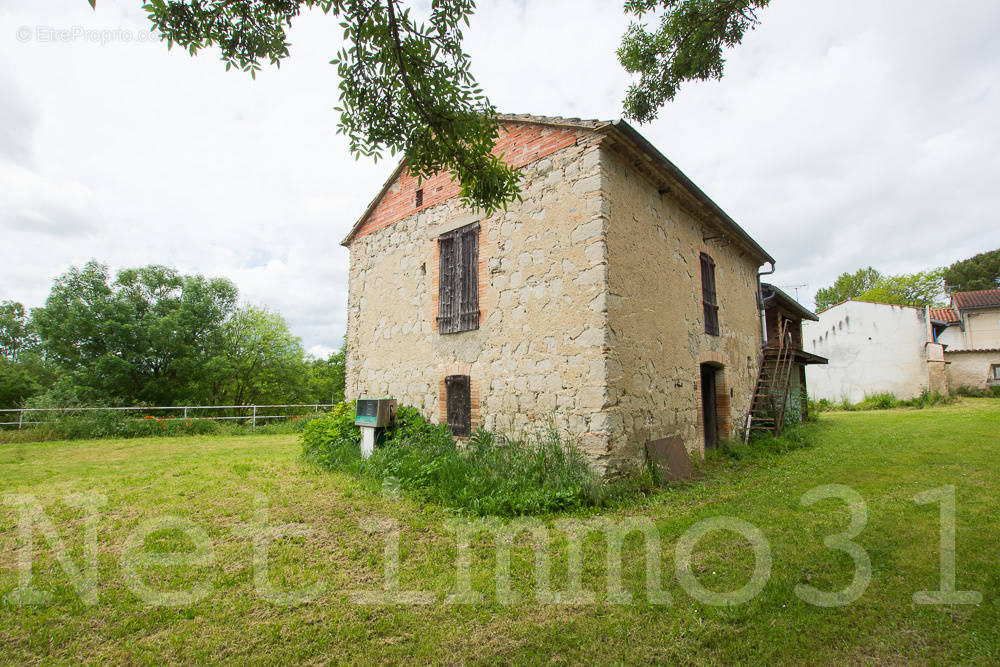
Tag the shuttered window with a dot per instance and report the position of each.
(708, 297)
(459, 397)
(458, 280)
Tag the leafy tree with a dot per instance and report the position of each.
(847, 286)
(976, 273)
(686, 45)
(406, 86)
(326, 380)
(17, 335)
(264, 362)
(924, 288)
(151, 335)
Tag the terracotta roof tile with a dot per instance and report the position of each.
(986, 298)
(944, 315)
(588, 124)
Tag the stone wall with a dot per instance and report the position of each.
(539, 353)
(657, 338)
(590, 300)
(970, 368)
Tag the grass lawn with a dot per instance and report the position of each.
(887, 457)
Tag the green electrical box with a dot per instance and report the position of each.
(375, 412)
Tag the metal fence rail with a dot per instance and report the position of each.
(252, 415)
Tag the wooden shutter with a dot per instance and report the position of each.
(708, 295)
(459, 397)
(458, 280)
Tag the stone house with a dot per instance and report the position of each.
(903, 350)
(616, 301)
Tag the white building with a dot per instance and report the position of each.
(877, 347)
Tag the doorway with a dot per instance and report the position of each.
(709, 412)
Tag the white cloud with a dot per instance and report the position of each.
(843, 134)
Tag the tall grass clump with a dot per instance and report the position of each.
(487, 475)
(794, 436)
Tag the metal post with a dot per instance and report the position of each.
(185, 412)
(20, 420)
(253, 424)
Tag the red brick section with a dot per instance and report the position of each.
(519, 144)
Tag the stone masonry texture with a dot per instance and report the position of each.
(590, 299)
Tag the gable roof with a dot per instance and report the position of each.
(621, 130)
(946, 315)
(986, 298)
(783, 298)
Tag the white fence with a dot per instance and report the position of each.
(247, 413)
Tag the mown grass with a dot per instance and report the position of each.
(885, 456)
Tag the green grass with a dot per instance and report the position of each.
(886, 456)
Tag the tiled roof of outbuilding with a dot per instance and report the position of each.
(947, 315)
(985, 298)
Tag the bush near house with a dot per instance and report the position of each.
(488, 475)
(99, 425)
(886, 401)
(978, 392)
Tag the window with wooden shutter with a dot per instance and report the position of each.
(458, 280)
(709, 300)
(458, 389)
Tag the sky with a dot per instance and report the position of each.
(843, 134)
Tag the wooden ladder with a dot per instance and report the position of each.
(770, 398)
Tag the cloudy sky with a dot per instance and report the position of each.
(844, 134)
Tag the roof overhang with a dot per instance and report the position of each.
(622, 130)
(782, 298)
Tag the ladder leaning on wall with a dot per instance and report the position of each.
(770, 397)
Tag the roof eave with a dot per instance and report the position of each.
(644, 144)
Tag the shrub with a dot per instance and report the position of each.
(99, 424)
(487, 475)
(880, 401)
(927, 399)
(795, 436)
(978, 392)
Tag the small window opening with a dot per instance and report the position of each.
(420, 197)
(459, 404)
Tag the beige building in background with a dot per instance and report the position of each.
(616, 301)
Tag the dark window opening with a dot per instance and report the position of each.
(459, 399)
(709, 407)
(420, 197)
(458, 280)
(709, 299)
(994, 376)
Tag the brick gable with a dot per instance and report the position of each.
(518, 144)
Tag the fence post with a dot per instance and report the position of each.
(253, 423)
(20, 420)
(185, 412)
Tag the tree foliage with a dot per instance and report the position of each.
(327, 377)
(264, 361)
(847, 286)
(150, 335)
(686, 44)
(924, 288)
(17, 335)
(405, 85)
(975, 273)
